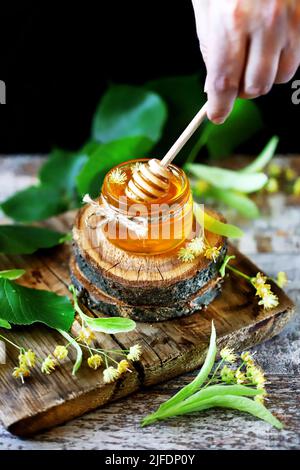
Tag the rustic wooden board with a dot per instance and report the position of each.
(170, 348)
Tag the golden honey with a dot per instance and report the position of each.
(152, 227)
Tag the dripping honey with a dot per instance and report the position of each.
(169, 218)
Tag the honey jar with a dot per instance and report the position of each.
(153, 227)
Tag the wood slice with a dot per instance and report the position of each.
(141, 280)
(97, 300)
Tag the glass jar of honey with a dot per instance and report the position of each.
(151, 227)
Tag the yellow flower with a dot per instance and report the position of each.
(296, 187)
(240, 377)
(136, 167)
(269, 301)
(259, 280)
(123, 366)
(95, 361)
(110, 375)
(201, 186)
(86, 335)
(272, 185)
(185, 255)
(27, 358)
(274, 170)
(212, 252)
(21, 372)
(134, 353)
(281, 279)
(117, 176)
(260, 398)
(196, 246)
(227, 375)
(48, 365)
(247, 358)
(263, 290)
(290, 174)
(256, 375)
(61, 352)
(228, 355)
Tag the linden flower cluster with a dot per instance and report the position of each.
(112, 373)
(197, 247)
(263, 290)
(117, 176)
(27, 360)
(240, 370)
(99, 357)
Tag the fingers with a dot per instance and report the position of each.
(262, 63)
(288, 64)
(225, 63)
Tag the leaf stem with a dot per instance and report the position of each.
(240, 273)
(10, 342)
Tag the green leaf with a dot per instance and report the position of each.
(75, 345)
(184, 97)
(263, 158)
(228, 179)
(216, 226)
(238, 201)
(34, 203)
(205, 370)
(236, 403)
(12, 274)
(219, 390)
(222, 269)
(221, 140)
(110, 325)
(195, 400)
(61, 169)
(104, 157)
(5, 324)
(129, 111)
(21, 305)
(20, 239)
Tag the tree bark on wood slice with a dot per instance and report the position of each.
(141, 280)
(96, 299)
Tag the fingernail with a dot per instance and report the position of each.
(218, 120)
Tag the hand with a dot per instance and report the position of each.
(247, 46)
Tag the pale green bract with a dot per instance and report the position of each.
(199, 395)
(228, 179)
(75, 345)
(222, 269)
(104, 325)
(12, 274)
(263, 158)
(216, 226)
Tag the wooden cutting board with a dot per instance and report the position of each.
(170, 348)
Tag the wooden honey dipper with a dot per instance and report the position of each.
(151, 180)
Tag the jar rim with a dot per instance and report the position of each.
(185, 188)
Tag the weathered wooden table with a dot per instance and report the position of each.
(273, 242)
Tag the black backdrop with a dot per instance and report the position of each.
(57, 58)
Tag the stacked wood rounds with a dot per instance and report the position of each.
(144, 288)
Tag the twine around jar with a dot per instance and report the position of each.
(138, 225)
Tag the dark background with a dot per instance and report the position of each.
(57, 59)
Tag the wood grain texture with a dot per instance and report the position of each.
(144, 288)
(139, 280)
(170, 348)
(96, 299)
(105, 427)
